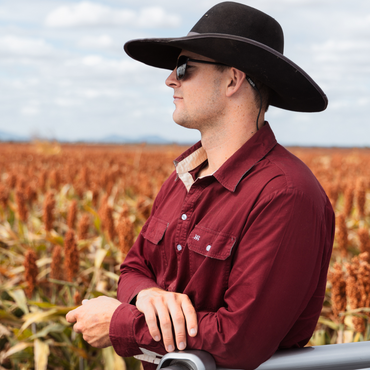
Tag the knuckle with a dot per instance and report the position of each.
(178, 318)
(190, 310)
(167, 339)
(165, 323)
(150, 318)
(181, 336)
(187, 302)
(152, 325)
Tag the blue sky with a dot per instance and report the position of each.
(64, 75)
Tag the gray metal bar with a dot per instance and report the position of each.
(348, 356)
(192, 360)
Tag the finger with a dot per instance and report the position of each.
(77, 328)
(84, 301)
(151, 321)
(190, 317)
(166, 327)
(71, 316)
(178, 321)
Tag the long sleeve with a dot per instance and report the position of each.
(249, 245)
(136, 271)
(276, 286)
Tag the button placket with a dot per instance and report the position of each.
(183, 223)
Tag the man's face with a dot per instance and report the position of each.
(199, 97)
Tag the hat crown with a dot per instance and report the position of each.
(242, 20)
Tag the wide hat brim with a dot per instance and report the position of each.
(291, 87)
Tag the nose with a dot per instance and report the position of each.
(171, 80)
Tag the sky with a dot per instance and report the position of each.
(64, 74)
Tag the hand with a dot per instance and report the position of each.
(93, 319)
(155, 302)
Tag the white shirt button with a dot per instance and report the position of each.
(179, 247)
(184, 217)
(208, 248)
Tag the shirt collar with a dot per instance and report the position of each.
(187, 162)
(235, 168)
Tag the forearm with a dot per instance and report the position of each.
(131, 282)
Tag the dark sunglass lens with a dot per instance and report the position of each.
(180, 73)
(181, 67)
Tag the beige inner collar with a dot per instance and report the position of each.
(189, 163)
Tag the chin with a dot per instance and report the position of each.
(182, 123)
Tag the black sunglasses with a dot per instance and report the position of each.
(182, 63)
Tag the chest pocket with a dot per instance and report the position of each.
(210, 243)
(155, 230)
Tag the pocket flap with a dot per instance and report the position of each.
(210, 243)
(155, 230)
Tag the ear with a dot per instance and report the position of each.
(235, 81)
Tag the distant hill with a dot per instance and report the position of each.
(7, 136)
(111, 139)
(150, 139)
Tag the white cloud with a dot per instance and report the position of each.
(31, 108)
(63, 70)
(156, 17)
(102, 41)
(334, 49)
(63, 102)
(85, 14)
(11, 45)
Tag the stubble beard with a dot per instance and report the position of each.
(208, 118)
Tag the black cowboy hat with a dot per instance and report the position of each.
(247, 39)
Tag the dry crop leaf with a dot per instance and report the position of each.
(41, 353)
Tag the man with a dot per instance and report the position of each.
(234, 257)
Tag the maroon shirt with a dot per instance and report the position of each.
(250, 246)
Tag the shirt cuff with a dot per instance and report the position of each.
(121, 332)
(128, 332)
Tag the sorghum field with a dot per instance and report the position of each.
(70, 213)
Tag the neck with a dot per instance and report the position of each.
(221, 143)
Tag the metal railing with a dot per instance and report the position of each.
(348, 356)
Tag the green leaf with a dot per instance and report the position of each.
(62, 282)
(91, 210)
(40, 316)
(319, 338)
(51, 305)
(52, 328)
(6, 316)
(99, 257)
(20, 298)
(55, 239)
(17, 348)
(354, 311)
(111, 275)
(97, 224)
(358, 337)
(329, 323)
